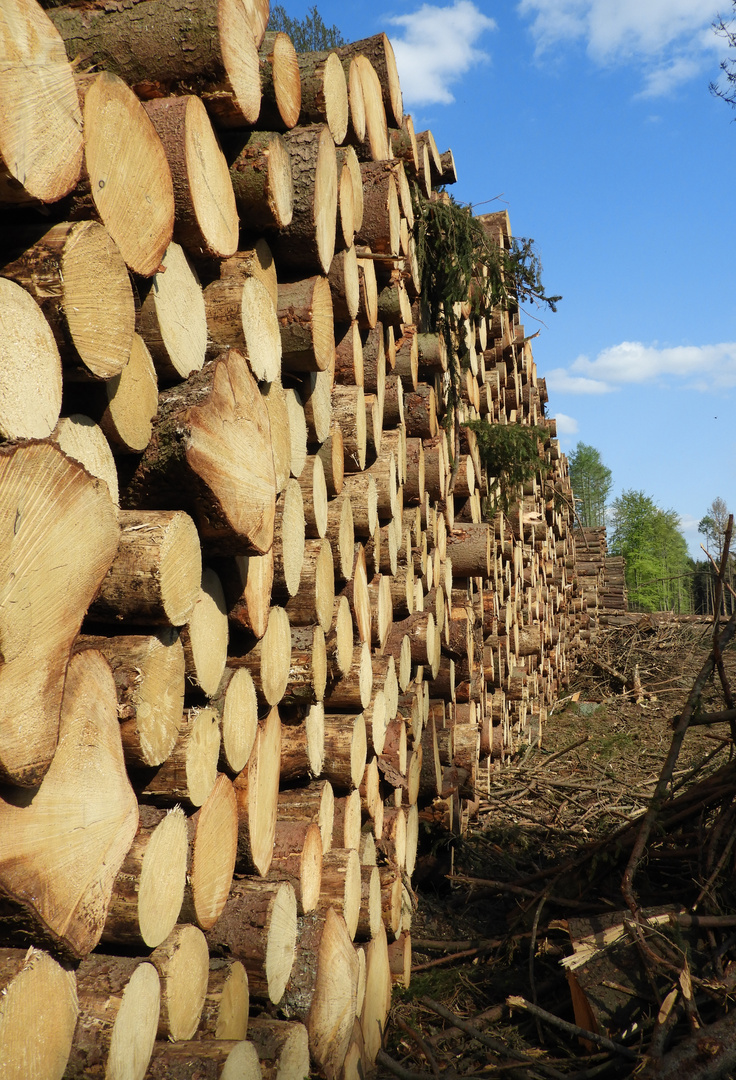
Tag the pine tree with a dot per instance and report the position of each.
(309, 34)
(591, 484)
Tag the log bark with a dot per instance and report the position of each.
(227, 1003)
(189, 772)
(322, 992)
(380, 227)
(118, 1017)
(283, 1048)
(256, 791)
(308, 242)
(206, 218)
(247, 580)
(341, 885)
(182, 962)
(259, 928)
(71, 817)
(149, 887)
(306, 322)
(261, 176)
(208, 45)
(77, 276)
(156, 576)
(297, 859)
(324, 92)
(345, 750)
(205, 1059)
(149, 681)
(314, 803)
(58, 536)
(241, 315)
(268, 660)
(211, 450)
(314, 600)
(281, 87)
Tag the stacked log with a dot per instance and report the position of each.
(265, 626)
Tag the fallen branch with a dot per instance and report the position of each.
(516, 1002)
(493, 1044)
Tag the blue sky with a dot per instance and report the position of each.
(592, 123)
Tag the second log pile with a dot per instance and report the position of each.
(248, 632)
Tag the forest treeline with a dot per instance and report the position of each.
(661, 575)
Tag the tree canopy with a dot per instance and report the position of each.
(655, 551)
(309, 34)
(591, 484)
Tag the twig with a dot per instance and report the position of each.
(566, 750)
(515, 1002)
(518, 890)
(420, 1043)
(493, 1044)
(532, 948)
(382, 1058)
(452, 957)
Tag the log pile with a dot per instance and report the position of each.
(253, 618)
(602, 575)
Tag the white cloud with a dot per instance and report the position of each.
(560, 381)
(671, 40)
(437, 48)
(566, 425)
(705, 366)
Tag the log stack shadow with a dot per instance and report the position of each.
(250, 636)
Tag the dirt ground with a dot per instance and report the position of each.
(497, 910)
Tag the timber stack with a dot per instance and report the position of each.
(253, 620)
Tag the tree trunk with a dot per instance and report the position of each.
(308, 242)
(281, 87)
(149, 681)
(283, 1048)
(213, 833)
(58, 533)
(241, 315)
(189, 772)
(183, 964)
(261, 176)
(247, 580)
(379, 51)
(322, 991)
(206, 218)
(307, 324)
(215, 52)
(211, 450)
(71, 815)
(237, 706)
(226, 1006)
(324, 92)
(156, 576)
(268, 660)
(173, 321)
(76, 275)
(38, 1016)
(381, 214)
(314, 600)
(42, 153)
(259, 927)
(256, 791)
(119, 1008)
(204, 1059)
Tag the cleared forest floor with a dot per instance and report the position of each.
(498, 910)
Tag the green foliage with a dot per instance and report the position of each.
(511, 453)
(459, 261)
(591, 484)
(309, 34)
(655, 551)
